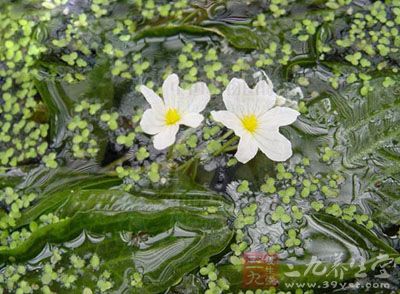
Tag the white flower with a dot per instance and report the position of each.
(252, 116)
(179, 107)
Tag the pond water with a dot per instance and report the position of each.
(94, 199)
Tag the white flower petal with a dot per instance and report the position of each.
(192, 120)
(264, 89)
(196, 98)
(152, 98)
(152, 122)
(166, 137)
(247, 149)
(230, 120)
(274, 145)
(233, 96)
(171, 91)
(242, 100)
(279, 116)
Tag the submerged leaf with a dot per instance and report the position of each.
(160, 234)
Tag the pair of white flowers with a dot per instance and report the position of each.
(250, 113)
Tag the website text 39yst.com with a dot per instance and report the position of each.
(337, 285)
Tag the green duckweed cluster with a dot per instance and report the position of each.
(280, 201)
(55, 276)
(22, 133)
(15, 202)
(80, 130)
(372, 34)
(215, 284)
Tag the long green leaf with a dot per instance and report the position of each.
(181, 232)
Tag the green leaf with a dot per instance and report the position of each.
(170, 30)
(370, 126)
(360, 236)
(60, 106)
(367, 138)
(50, 181)
(240, 37)
(243, 37)
(179, 230)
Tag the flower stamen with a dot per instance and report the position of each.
(250, 123)
(172, 116)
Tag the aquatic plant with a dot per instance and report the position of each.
(250, 113)
(179, 107)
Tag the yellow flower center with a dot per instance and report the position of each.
(172, 116)
(250, 122)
